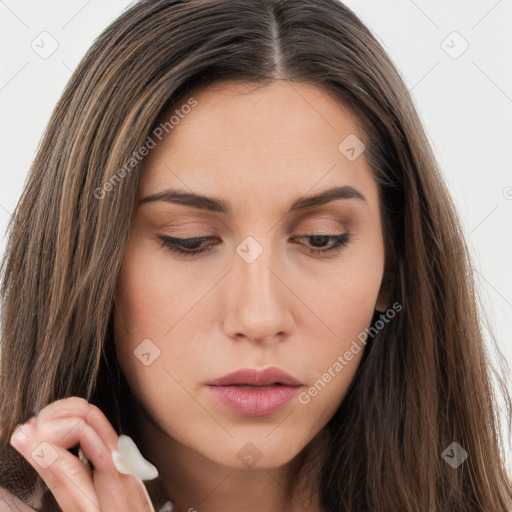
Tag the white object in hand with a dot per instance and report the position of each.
(129, 461)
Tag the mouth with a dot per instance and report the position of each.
(254, 377)
(255, 392)
(249, 400)
(248, 386)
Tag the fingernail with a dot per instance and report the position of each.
(129, 461)
(21, 435)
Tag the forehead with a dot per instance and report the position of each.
(284, 137)
(256, 114)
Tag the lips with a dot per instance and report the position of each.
(253, 377)
(252, 392)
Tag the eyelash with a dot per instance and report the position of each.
(173, 244)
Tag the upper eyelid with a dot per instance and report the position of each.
(323, 213)
(320, 223)
(301, 234)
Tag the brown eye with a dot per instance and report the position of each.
(338, 242)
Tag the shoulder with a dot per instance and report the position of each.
(10, 503)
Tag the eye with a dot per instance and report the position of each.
(192, 246)
(338, 242)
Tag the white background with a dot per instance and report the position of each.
(464, 102)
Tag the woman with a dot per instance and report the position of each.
(236, 248)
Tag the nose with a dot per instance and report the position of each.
(258, 300)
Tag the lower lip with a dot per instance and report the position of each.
(255, 401)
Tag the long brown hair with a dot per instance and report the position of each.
(426, 379)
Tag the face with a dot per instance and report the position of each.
(271, 284)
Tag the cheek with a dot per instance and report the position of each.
(333, 352)
(140, 302)
(148, 298)
(153, 293)
(153, 304)
(341, 298)
(324, 394)
(343, 303)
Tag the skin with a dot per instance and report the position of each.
(44, 440)
(216, 312)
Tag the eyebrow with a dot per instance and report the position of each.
(221, 206)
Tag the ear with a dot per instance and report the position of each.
(384, 297)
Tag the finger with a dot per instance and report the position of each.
(62, 472)
(76, 406)
(112, 488)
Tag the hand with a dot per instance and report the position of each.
(63, 424)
